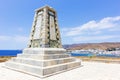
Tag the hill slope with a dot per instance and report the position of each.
(103, 46)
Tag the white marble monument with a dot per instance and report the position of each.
(44, 55)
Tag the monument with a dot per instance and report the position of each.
(44, 55)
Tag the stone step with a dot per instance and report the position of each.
(41, 57)
(44, 51)
(61, 67)
(43, 63)
(42, 71)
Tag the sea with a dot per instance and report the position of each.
(15, 52)
(10, 52)
(97, 55)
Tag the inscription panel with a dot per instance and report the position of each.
(52, 29)
(38, 27)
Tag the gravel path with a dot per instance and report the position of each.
(89, 71)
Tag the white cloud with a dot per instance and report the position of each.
(20, 29)
(21, 38)
(106, 29)
(13, 42)
(93, 27)
(17, 38)
(94, 38)
(4, 38)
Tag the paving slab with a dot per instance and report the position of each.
(88, 71)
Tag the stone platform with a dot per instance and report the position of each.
(88, 71)
(43, 62)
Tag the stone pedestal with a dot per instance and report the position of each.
(43, 62)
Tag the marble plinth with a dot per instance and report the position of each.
(43, 62)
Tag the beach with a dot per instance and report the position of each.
(88, 71)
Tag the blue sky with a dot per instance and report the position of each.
(80, 21)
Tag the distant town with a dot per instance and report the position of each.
(99, 49)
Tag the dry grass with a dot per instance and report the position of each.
(5, 58)
(94, 58)
(100, 59)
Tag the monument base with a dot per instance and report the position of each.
(43, 62)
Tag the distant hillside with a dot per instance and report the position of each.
(103, 46)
